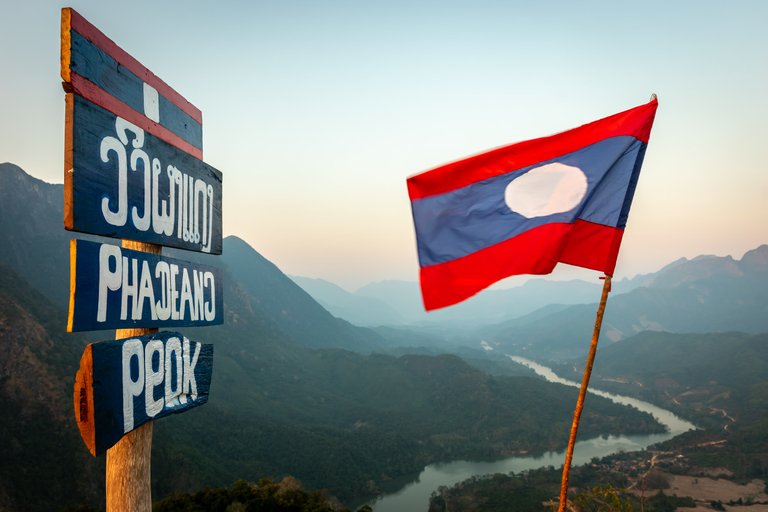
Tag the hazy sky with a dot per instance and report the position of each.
(317, 111)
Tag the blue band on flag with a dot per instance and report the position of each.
(472, 218)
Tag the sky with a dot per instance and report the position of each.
(316, 112)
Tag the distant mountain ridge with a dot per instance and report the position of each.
(705, 294)
(398, 303)
(353, 307)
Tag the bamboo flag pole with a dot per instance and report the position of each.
(128, 475)
(582, 393)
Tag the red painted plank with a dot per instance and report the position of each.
(82, 26)
(96, 95)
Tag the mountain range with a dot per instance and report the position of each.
(388, 303)
(702, 295)
(553, 320)
(295, 390)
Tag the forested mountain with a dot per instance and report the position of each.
(34, 242)
(279, 405)
(719, 379)
(40, 445)
(706, 294)
(276, 297)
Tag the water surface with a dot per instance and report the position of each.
(414, 497)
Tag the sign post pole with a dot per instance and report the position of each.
(128, 471)
(128, 475)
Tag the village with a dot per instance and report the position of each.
(671, 472)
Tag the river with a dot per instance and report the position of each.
(414, 497)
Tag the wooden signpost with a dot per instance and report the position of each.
(133, 170)
(123, 384)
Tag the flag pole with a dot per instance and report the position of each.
(582, 393)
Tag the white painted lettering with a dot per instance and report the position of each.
(210, 308)
(146, 292)
(108, 279)
(130, 290)
(119, 217)
(142, 222)
(198, 295)
(159, 290)
(190, 362)
(153, 377)
(174, 294)
(162, 214)
(163, 306)
(186, 208)
(173, 386)
(131, 388)
(186, 297)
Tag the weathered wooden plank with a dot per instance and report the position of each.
(126, 183)
(125, 383)
(113, 288)
(96, 68)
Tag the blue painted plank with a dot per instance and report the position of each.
(126, 183)
(102, 70)
(125, 383)
(116, 288)
(96, 68)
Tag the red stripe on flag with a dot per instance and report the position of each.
(97, 37)
(536, 251)
(97, 95)
(635, 122)
(593, 246)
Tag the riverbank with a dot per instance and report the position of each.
(415, 496)
(712, 468)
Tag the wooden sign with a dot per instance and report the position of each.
(123, 384)
(94, 67)
(116, 288)
(123, 182)
(134, 171)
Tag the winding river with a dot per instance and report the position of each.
(415, 496)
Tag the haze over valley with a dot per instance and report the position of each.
(356, 393)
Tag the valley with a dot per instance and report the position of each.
(359, 409)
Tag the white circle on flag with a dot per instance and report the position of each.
(546, 190)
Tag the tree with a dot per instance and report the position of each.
(602, 499)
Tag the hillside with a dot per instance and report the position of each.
(36, 404)
(706, 294)
(333, 418)
(720, 379)
(279, 404)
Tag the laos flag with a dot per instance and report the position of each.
(524, 208)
